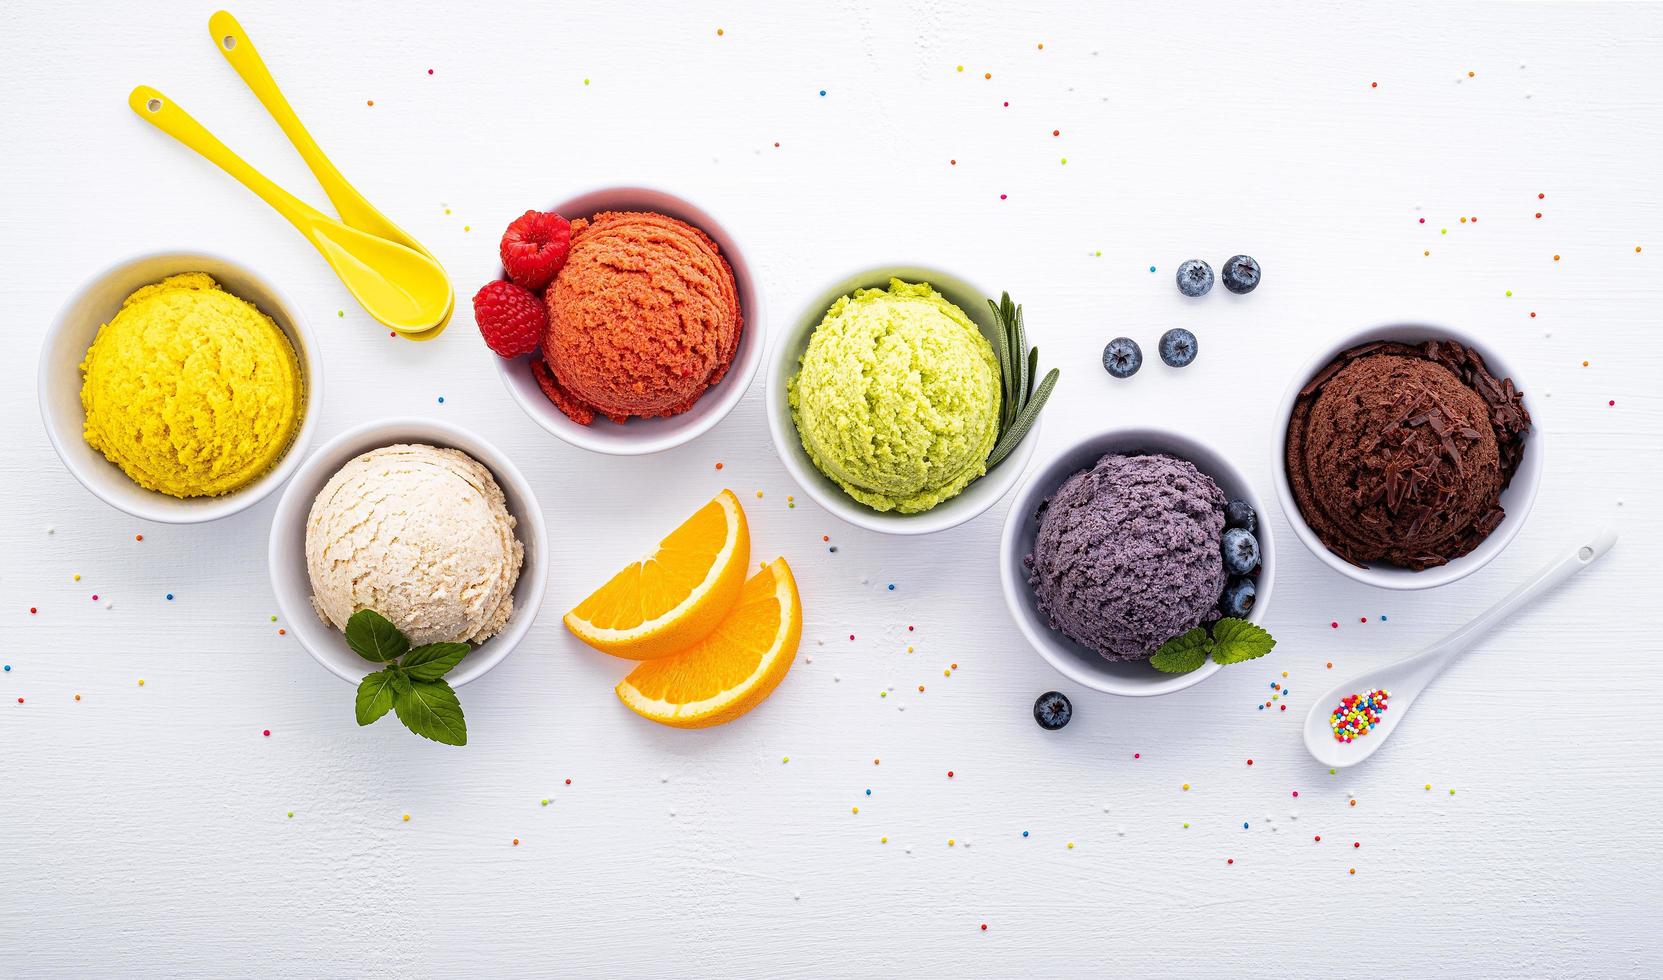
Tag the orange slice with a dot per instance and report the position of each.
(733, 669)
(672, 600)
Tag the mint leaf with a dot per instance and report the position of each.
(372, 637)
(430, 709)
(1182, 653)
(375, 696)
(433, 661)
(1236, 640)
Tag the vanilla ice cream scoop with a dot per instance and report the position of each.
(422, 536)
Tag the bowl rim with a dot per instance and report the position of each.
(1527, 480)
(782, 359)
(292, 511)
(1019, 598)
(753, 340)
(291, 319)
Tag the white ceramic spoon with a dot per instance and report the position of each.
(1405, 679)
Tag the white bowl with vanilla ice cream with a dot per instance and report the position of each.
(425, 523)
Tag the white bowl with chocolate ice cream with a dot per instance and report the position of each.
(1405, 455)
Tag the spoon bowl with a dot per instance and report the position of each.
(396, 285)
(1404, 680)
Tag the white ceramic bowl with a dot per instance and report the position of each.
(287, 552)
(638, 437)
(1079, 664)
(94, 304)
(1516, 500)
(783, 363)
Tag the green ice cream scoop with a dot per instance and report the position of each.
(897, 398)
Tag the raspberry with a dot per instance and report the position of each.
(534, 248)
(511, 319)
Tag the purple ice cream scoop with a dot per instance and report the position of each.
(1128, 555)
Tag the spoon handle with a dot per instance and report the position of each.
(166, 115)
(1579, 556)
(355, 210)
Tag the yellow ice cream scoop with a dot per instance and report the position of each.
(190, 390)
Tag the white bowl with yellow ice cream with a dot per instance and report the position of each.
(884, 401)
(179, 387)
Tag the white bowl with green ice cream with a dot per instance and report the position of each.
(884, 401)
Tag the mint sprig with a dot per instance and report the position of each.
(374, 637)
(1183, 653)
(1236, 640)
(1232, 641)
(413, 688)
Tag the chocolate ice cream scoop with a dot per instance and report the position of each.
(1400, 453)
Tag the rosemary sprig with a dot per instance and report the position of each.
(1018, 366)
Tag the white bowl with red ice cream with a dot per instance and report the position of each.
(640, 436)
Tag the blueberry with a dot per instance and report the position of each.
(1241, 274)
(1195, 277)
(1238, 598)
(1241, 551)
(1239, 513)
(1053, 710)
(1178, 347)
(1122, 357)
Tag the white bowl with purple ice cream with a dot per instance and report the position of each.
(1151, 543)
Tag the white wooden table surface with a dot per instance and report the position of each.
(145, 830)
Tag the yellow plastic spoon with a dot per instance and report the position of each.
(355, 210)
(396, 285)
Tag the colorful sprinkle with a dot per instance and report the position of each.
(1356, 715)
